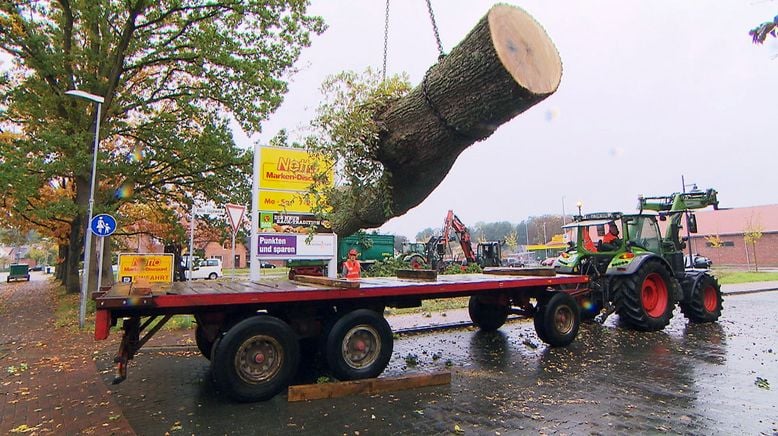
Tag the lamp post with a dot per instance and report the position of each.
(579, 205)
(88, 234)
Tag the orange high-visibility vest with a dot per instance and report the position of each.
(353, 269)
(588, 244)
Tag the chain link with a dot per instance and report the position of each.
(441, 54)
(386, 40)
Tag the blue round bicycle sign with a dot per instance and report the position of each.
(103, 225)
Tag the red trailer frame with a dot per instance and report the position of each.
(250, 330)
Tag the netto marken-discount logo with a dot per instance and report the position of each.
(300, 170)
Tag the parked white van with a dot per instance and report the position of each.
(206, 269)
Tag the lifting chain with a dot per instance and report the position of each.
(435, 31)
(441, 54)
(386, 40)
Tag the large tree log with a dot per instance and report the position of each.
(504, 66)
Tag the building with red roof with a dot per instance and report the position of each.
(721, 236)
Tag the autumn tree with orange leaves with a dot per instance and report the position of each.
(173, 74)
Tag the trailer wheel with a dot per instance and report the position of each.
(487, 312)
(256, 358)
(644, 300)
(359, 345)
(557, 321)
(203, 344)
(538, 320)
(704, 303)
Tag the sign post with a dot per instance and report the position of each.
(235, 214)
(212, 211)
(102, 225)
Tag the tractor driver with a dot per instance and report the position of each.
(611, 239)
(351, 267)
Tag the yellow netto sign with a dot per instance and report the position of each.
(287, 169)
(152, 267)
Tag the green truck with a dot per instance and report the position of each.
(371, 247)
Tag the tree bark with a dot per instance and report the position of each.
(504, 66)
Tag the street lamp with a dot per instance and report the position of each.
(88, 235)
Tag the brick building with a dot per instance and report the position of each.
(727, 227)
(224, 253)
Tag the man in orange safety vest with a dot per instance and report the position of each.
(351, 267)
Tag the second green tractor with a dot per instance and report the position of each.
(640, 274)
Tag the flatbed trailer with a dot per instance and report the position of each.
(251, 330)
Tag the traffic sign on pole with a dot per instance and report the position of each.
(103, 225)
(235, 213)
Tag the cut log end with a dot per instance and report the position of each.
(525, 50)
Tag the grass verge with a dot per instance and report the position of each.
(736, 277)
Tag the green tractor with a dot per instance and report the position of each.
(636, 272)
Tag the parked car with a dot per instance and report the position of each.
(697, 261)
(36, 268)
(205, 269)
(512, 262)
(266, 265)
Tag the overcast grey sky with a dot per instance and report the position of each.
(651, 90)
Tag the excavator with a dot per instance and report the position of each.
(641, 275)
(435, 250)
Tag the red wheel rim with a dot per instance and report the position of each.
(709, 298)
(654, 295)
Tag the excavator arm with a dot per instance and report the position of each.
(453, 223)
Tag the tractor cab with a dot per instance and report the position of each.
(596, 238)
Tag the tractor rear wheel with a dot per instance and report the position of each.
(645, 299)
(704, 303)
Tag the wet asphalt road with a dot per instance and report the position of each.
(687, 379)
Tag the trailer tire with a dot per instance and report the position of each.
(704, 302)
(203, 344)
(359, 345)
(488, 313)
(538, 320)
(256, 358)
(645, 300)
(557, 321)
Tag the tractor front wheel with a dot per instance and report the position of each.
(704, 302)
(645, 300)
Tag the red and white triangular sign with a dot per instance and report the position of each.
(235, 214)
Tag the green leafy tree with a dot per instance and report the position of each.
(172, 73)
(346, 133)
